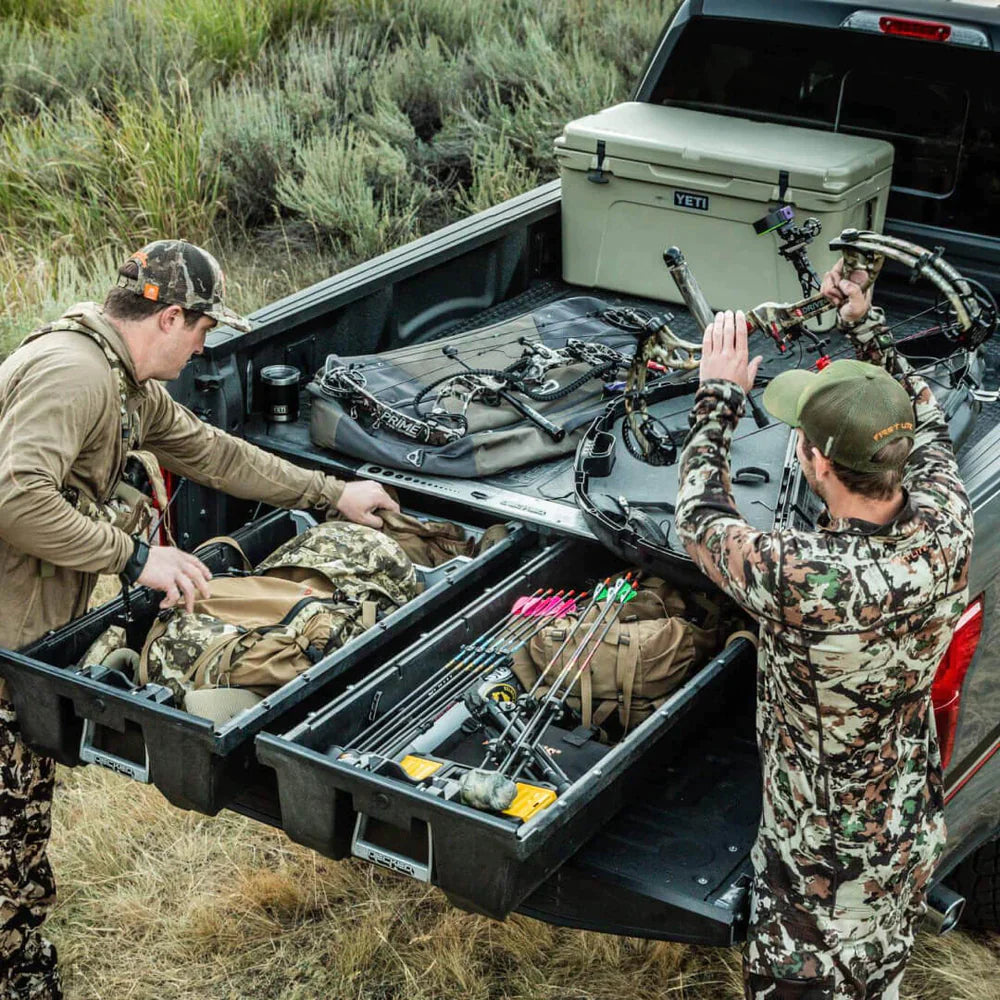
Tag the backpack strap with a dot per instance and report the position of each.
(587, 697)
(626, 665)
(157, 629)
(226, 540)
(626, 668)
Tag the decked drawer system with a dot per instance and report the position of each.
(485, 861)
(77, 717)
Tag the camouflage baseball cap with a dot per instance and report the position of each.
(850, 410)
(180, 274)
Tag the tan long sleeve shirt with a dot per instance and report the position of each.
(61, 427)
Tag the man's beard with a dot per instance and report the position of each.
(812, 481)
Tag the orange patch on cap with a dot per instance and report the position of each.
(151, 292)
(141, 257)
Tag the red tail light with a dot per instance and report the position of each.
(905, 27)
(946, 692)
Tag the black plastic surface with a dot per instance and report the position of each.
(674, 863)
(484, 862)
(195, 764)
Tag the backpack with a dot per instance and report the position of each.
(640, 662)
(312, 595)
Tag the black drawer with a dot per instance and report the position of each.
(486, 862)
(195, 763)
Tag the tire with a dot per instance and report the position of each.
(978, 879)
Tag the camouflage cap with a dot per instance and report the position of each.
(179, 273)
(850, 410)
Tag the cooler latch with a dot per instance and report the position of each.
(598, 176)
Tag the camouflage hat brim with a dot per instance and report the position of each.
(783, 396)
(226, 316)
(175, 272)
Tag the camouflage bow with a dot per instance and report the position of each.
(349, 387)
(966, 310)
(431, 423)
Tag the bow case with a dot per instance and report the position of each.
(477, 403)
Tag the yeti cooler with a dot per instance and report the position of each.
(638, 178)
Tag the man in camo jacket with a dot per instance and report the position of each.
(854, 619)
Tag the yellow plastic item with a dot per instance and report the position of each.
(419, 768)
(530, 799)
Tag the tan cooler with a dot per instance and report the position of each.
(673, 177)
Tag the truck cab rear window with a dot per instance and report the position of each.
(928, 99)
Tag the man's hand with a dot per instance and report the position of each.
(724, 351)
(360, 499)
(845, 293)
(176, 572)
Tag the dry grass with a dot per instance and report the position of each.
(159, 904)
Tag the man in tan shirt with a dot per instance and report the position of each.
(75, 398)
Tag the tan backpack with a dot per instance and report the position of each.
(638, 664)
(312, 595)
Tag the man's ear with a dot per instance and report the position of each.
(822, 466)
(167, 318)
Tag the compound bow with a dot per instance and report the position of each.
(967, 315)
(529, 376)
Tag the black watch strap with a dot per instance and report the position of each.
(134, 566)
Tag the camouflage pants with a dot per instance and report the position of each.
(27, 890)
(794, 955)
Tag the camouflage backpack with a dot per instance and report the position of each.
(312, 595)
(640, 660)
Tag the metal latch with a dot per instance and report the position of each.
(598, 176)
(395, 861)
(89, 754)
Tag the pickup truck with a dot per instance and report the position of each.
(672, 862)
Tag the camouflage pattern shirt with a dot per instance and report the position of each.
(854, 619)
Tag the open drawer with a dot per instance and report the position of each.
(487, 861)
(85, 716)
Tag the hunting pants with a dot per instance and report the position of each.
(793, 955)
(27, 889)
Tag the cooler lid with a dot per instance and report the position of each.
(734, 147)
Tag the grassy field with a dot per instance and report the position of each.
(291, 137)
(294, 138)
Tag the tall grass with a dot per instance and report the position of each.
(320, 130)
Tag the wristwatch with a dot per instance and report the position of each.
(136, 562)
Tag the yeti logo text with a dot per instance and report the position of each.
(684, 199)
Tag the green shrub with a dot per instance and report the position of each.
(424, 81)
(121, 47)
(80, 179)
(38, 287)
(355, 191)
(249, 140)
(326, 78)
(30, 76)
(43, 12)
(230, 34)
(496, 175)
